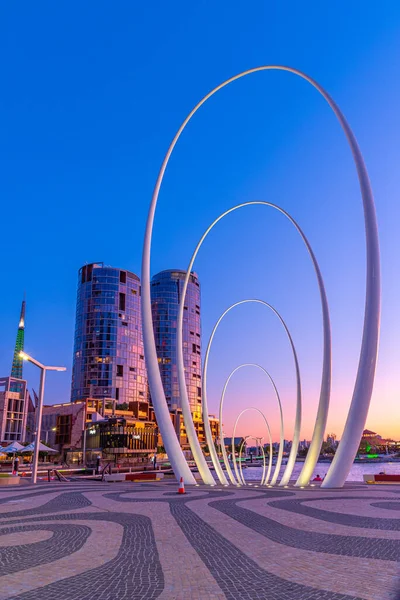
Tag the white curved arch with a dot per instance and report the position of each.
(265, 477)
(358, 411)
(296, 434)
(323, 406)
(221, 405)
(240, 458)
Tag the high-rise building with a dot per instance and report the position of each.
(16, 370)
(108, 360)
(15, 402)
(166, 292)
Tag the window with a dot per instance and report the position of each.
(117, 394)
(141, 393)
(134, 292)
(122, 276)
(193, 347)
(120, 370)
(122, 302)
(199, 392)
(132, 369)
(124, 323)
(64, 427)
(141, 356)
(194, 363)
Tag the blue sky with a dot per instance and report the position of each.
(91, 98)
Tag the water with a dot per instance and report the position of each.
(356, 473)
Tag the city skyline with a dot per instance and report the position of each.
(230, 154)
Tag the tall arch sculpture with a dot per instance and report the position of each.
(359, 406)
(239, 474)
(297, 425)
(282, 426)
(323, 406)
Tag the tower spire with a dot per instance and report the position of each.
(16, 370)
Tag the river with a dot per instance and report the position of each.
(356, 472)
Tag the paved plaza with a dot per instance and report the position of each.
(97, 541)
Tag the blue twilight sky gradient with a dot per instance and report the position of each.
(92, 95)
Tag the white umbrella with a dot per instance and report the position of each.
(42, 448)
(12, 448)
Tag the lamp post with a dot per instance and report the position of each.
(39, 408)
(47, 431)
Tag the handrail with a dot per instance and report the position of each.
(103, 473)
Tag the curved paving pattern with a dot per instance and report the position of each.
(64, 501)
(65, 540)
(141, 568)
(239, 577)
(387, 505)
(310, 540)
(134, 573)
(298, 506)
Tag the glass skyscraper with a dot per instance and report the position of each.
(108, 360)
(166, 291)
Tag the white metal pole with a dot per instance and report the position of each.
(39, 411)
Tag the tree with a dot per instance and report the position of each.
(123, 406)
(302, 452)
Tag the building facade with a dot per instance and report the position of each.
(83, 430)
(63, 426)
(108, 361)
(166, 292)
(14, 406)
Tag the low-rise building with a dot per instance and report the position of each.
(83, 430)
(15, 403)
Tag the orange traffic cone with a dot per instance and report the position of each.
(181, 489)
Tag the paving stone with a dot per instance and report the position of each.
(135, 570)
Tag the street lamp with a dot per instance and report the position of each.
(47, 431)
(39, 408)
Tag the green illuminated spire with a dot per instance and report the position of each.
(16, 370)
